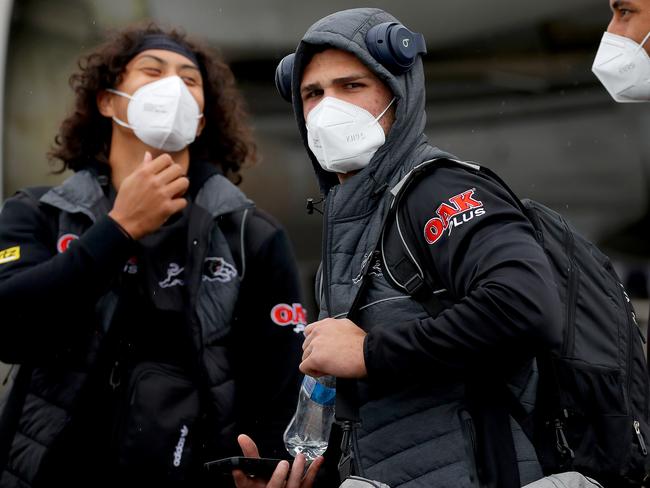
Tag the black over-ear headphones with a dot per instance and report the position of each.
(391, 44)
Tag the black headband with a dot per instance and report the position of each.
(163, 41)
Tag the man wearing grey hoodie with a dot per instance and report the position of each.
(429, 387)
(430, 408)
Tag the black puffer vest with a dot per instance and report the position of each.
(53, 391)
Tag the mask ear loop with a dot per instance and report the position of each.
(125, 95)
(120, 93)
(385, 110)
(644, 40)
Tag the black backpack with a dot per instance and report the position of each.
(591, 412)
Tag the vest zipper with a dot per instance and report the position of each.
(569, 342)
(630, 345)
(118, 408)
(467, 427)
(326, 287)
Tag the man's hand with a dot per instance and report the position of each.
(279, 477)
(334, 347)
(150, 195)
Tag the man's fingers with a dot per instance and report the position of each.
(310, 328)
(279, 475)
(248, 447)
(170, 173)
(158, 164)
(297, 470)
(307, 367)
(178, 187)
(306, 353)
(147, 157)
(309, 335)
(176, 205)
(312, 471)
(240, 479)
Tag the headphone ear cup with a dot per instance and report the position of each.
(283, 74)
(377, 41)
(394, 46)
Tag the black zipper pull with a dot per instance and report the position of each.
(639, 436)
(345, 462)
(561, 443)
(114, 380)
(311, 206)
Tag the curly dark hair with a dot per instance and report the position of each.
(84, 136)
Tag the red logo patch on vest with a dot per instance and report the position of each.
(283, 314)
(461, 209)
(64, 241)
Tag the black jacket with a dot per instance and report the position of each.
(55, 304)
(482, 256)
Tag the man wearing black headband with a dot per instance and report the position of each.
(136, 293)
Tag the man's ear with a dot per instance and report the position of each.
(105, 103)
(201, 126)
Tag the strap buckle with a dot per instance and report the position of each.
(414, 285)
(346, 465)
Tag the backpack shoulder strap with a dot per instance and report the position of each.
(403, 269)
(236, 228)
(400, 259)
(246, 232)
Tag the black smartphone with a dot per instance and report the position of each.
(257, 467)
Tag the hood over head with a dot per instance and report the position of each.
(346, 30)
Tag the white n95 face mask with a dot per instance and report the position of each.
(344, 137)
(162, 114)
(623, 67)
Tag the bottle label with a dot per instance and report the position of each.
(318, 393)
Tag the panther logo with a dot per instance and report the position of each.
(217, 269)
(173, 273)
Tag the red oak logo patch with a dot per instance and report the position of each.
(64, 241)
(283, 314)
(461, 209)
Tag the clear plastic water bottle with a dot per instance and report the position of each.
(309, 429)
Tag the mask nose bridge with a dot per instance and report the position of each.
(340, 105)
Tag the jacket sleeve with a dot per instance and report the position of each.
(47, 295)
(269, 335)
(470, 235)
